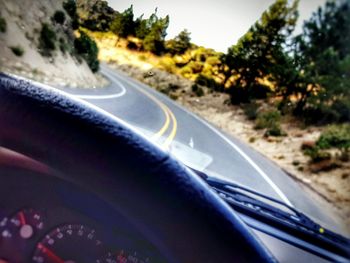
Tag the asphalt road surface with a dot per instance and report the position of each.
(193, 141)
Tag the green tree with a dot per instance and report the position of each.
(155, 40)
(180, 44)
(323, 56)
(87, 48)
(258, 51)
(142, 27)
(123, 24)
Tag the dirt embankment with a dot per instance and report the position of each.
(330, 188)
(24, 20)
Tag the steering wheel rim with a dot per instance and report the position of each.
(172, 206)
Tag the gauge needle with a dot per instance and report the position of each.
(22, 218)
(50, 254)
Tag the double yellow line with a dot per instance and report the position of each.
(169, 119)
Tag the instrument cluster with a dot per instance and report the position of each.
(56, 221)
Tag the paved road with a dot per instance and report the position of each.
(193, 140)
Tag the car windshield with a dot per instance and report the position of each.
(250, 92)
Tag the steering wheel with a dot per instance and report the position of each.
(175, 209)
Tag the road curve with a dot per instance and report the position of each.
(167, 124)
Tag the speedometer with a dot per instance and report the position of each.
(69, 243)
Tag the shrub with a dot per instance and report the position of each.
(70, 7)
(17, 50)
(3, 25)
(47, 40)
(320, 115)
(251, 110)
(142, 57)
(173, 96)
(207, 81)
(173, 87)
(167, 64)
(342, 107)
(267, 119)
(240, 94)
(63, 45)
(87, 48)
(59, 17)
(335, 136)
(275, 130)
(197, 90)
(270, 120)
(317, 155)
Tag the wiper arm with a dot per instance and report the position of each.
(289, 219)
(229, 192)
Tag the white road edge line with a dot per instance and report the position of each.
(84, 102)
(248, 159)
(240, 151)
(103, 97)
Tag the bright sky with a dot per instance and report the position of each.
(214, 24)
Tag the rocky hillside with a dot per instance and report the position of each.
(37, 41)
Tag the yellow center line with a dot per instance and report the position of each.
(173, 131)
(166, 124)
(168, 116)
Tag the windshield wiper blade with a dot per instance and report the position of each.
(229, 190)
(289, 219)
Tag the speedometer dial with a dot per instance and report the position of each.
(69, 243)
(17, 231)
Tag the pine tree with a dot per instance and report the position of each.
(123, 24)
(258, 51)
(323, 55)
(180, 44)
(154, 41)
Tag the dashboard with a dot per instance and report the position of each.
(44, 218)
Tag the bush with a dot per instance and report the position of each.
(251, 110)
(208, 82)
(269, 120)
(320, 115)
(317, 155)
(168, 64)
(275, 130)
(335, 136)
(142, 57)
(47, 40)
(173, 87)
(197, 90)
(17, 50)
(342, 107)
(70, 7)
(132, 45)
(240, 94)
(63, 45)
(59, 17)
(3, 25)
(173, 96)
(87, 48)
